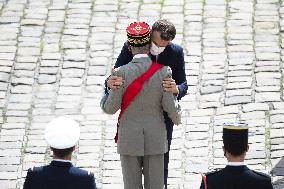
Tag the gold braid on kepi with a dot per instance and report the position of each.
(138, 34)
(235, 133)
(235, 125)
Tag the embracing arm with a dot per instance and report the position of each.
(111, 102)
(179, 75)
(170, 105)
(123, 58)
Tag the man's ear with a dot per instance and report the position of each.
(224, 150)
(247, 148)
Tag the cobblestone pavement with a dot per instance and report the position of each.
(55, 55)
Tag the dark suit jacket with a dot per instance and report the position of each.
(172, 56)
(59, 175)
(237, 177)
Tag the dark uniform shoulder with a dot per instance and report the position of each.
(80, 172)
(84, 176)
(35, 170)
(261, 175)
(32, 175)
(213, 173)
(215, 176)
(259, 180)
(212, 178)
(77, 170)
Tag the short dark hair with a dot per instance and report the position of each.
(138, 50)
(166, 28)
(236, 144)
(61, 153)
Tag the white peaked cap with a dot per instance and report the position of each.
(62, 132)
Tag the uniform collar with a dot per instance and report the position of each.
(141, 56)
(238, 168)
(61, 163)
(62, 160)
(235, 163)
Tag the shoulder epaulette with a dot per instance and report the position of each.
(37, 169)
(212, 172)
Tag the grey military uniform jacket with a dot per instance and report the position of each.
(142, 128)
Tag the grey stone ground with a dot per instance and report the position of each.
(55, 55)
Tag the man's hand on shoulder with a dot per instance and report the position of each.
(169, 85)
(114, 82)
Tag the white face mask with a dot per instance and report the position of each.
(155, 50)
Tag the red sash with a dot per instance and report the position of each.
(133, 90)
(204, 181)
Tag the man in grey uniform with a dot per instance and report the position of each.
(142, 134)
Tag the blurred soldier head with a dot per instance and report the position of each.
(235, 140)
(62, 134)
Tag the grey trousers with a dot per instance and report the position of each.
(151, 166)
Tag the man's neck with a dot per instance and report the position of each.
(236, 158)
(67, 158)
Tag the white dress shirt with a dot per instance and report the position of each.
(236, 163)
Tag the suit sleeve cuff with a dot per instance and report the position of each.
(178, 95)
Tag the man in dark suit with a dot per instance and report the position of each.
(236, 175)
(62, 135)
(164, 52)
